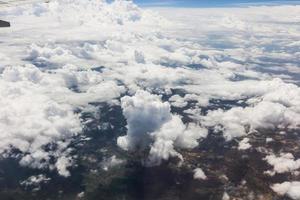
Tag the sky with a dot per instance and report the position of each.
(210, 3)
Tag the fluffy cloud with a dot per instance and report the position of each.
(291, 189)
(30, 119)
(225, 196)
(199, 174)
(105, 50)
(35, 181)
(151, 125)
(283, 163)
(34, 116)
(263, 115)
(244, 144)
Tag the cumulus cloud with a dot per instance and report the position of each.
(225, 196)
(30, 119)
(263, 115)
(151, 124)
(178, 101)
(34, 116)
(35, 182)
(38, 102)
(199, 174)
(286, 162)
(291, 189)
(244, 144)
(106, 50)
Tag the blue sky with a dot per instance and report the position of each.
(211, 3)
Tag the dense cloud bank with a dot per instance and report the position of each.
(60, 57)
(38, 110)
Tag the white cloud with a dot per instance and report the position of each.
(234, 54)
(225, 196)
(283, 163)
(151, 125)
(263, 115)
(37, 109)
(31, 119)
(199, 174)
(244, 144)
(62, 165)
(145, 113)
(110, 162)
(35, 182)
(291, 189)
(178, 101)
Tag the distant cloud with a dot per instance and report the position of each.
(160, 3)
(268, 3)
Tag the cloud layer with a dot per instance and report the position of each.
(234, 71)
